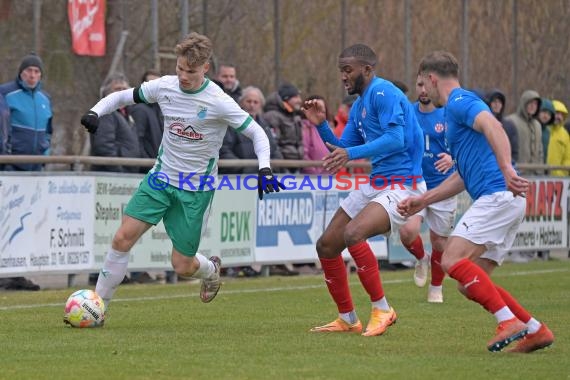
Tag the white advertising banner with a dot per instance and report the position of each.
(545, 225)
(46, 224)
(231, 225)
(290, 222)
(66, 223)
(151, 251)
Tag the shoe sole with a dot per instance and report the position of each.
(358, 331)
(210, 299)
(498, 346)
(536, 348)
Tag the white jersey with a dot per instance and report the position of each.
(195, 123)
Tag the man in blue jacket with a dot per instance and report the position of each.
(4, 128)
(28, 132)
(30, 113)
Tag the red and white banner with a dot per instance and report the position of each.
(87, 22)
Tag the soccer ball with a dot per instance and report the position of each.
(84, 308)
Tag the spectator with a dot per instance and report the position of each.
(559, 145)
(313, 147)
(528, 129)
(237, 146)
(282, 112)
(30, 112)
(149, 123)
(227, 76)
(496, 101)
(4, 128)
(30, 129)
(401, 85)
(546, 119)
(117, 135)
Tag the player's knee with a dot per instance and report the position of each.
(353, 235)
(184, 266)
(324, 248)
(438, 244)
(447, 261)
(407, 236)
(123, 241)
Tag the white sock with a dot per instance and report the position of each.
(349, 317)
(207, 268)
(436, 287)
(504, 314)
(533, 326)
(381, 304)
(112, 274)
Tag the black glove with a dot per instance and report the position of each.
(267, 183)
(90, 121)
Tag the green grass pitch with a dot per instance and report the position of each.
(258, 329)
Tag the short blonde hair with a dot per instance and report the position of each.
(196, 48)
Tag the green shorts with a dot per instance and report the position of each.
(184, 213)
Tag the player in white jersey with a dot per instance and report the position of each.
(180, 187)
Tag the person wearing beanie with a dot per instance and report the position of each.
(559, 144)
(30, 112)
(546, 119)
(282, 113)
(29, 130)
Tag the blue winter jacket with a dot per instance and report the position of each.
(30, 119)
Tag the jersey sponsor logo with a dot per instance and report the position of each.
(439, 127)
(202, 112)
(186, 132)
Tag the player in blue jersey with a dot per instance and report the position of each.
(482, 237)
(437, 165)
(381, 126)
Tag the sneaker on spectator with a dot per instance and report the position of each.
(249, 272)
(282, 270)
(20, 283)
(143, 278)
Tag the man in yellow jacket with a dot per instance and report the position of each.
(559, 144)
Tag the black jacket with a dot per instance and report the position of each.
(150, 127)
(237, 146)
(116, 137)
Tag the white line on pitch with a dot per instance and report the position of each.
(260, 290)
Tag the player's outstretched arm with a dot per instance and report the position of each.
(499, 142)
(266, 181)
(336, 159)
(108, 104)
(452, 185)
